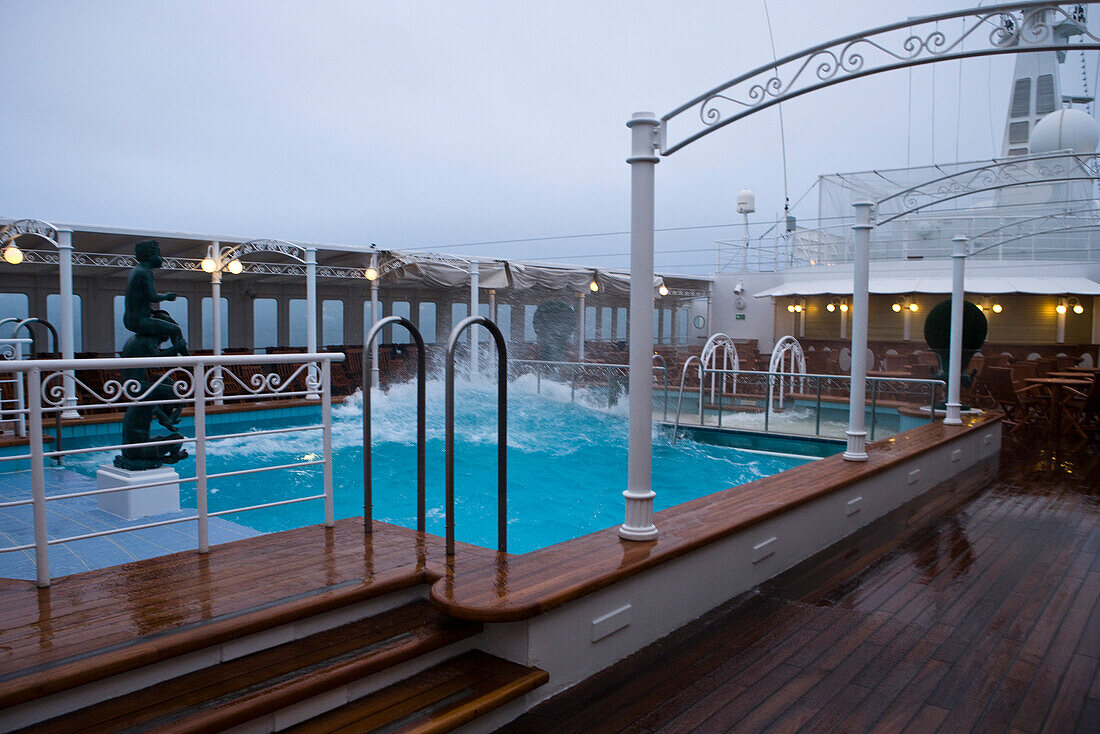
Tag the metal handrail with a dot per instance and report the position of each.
(817, 378)
(191, 377)
(664, 369)
(502, 431)
(680, 400)
(421, 422)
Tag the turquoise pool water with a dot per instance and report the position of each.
(566, 465)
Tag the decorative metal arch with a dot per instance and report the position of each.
(1013, 28)
(787, 345)
(282, 247)
(36, 227)
(1048, 168)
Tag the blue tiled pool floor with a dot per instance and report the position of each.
(81, 515)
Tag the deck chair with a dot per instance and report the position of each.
(1020, 406)
(1084, 412)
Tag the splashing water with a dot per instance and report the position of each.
(566, 464)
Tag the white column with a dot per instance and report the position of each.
(843, 324)
(1060, 326)
(493, 306)
(474, 285)
(311, 313)
(375, 369)
(954, 360)
(857, 436)
(65, 260)
(216, 321)
(581, 315)
(906, 324)
(639, 493)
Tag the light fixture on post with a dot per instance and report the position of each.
(990, 305)
(12, 254)
(839, 304)
(797, 305)
(906, 306)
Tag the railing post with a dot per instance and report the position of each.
(817, 428)
(198, 375)
(326, 438)
(38, 479)
(857, 398)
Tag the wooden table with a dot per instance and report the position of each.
(1058, 396)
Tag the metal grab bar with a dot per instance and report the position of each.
(421, 423)
(502, 431)
(680, 400)
(664, 369)
(26, 324)
(772, 377)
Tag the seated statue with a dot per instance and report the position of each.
(151, 326)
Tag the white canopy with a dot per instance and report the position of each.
(1057, 285)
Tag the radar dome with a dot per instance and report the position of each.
(1065, 130)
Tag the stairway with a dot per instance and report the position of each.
(405, 667)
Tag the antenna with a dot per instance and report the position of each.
(782, 132)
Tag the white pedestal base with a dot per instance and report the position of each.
(135, 503)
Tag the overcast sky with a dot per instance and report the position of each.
(434, 124)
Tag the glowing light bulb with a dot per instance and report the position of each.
(913, 307)
(1061, 308)
(1078, 309)
(594, 286)
(844, 307)
(997, 308)
(208, 265)
(798, 308)
(370, 274)
(790, 307)
(896, 307)
(663, 290)
(831, 307)
(235, 267)
(13, 255)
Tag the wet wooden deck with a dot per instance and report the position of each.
(975, 613)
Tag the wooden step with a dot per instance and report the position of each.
(438, 699)
(240, 690)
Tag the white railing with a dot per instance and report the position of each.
(11, 388)
(194, 382)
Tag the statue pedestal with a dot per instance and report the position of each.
(135, 503)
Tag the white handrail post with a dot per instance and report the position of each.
(857, 435)
(38, 479)
(65, 273)
(198, 375)
(311, 314)
(953, 417)
(326, 438)
(581, 327)
(639, 493)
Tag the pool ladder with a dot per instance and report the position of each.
(421, 385)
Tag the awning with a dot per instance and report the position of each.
(1054, 286)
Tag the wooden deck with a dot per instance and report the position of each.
(954, 614)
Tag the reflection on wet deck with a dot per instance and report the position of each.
(959, 613)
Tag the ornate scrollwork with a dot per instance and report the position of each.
(21, 227)
(896, 46)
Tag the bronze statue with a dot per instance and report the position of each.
(151, 327)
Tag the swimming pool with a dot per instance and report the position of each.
(566, 465)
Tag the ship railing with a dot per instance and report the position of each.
(588, 374)
(194, 382)
(13, 416)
